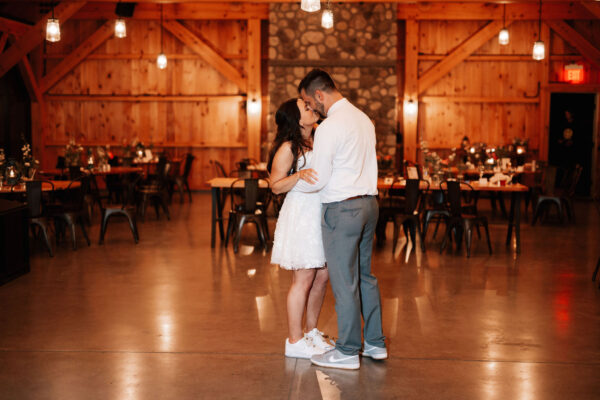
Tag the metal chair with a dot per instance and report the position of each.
(407, 217)
(73, 209)
(126, 209)
(181, 181)
(37, 218)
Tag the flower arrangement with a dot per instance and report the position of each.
(384, 163)
(30, 164)
(433, 162)
(73, 154)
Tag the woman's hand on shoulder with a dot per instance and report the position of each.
(309, 175)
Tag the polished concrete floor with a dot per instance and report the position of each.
(171, 318)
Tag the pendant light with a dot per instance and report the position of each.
(52, 28)
(327, 17)
(503, 36)
(120, 28)
(539, 49)
(161, 60)
(310, 5)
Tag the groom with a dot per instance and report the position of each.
(345, 162)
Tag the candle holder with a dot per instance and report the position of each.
(12, 174)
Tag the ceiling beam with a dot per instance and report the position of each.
(575, 39)
(491, 11)
(34, 36)
(30, 82)
(206, 52)
(460, 53)
(77, 56)
(593, 7)
(3, 39)
(200, 11)
(13, 27)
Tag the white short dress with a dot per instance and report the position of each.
(298, 243)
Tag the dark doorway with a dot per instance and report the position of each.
(15, 113)
(572, 134)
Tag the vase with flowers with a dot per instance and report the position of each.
(73, 154)
(30, 164)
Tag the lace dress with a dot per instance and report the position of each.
(298, 243)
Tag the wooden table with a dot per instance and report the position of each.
(113, 171)
(217, 185)
(514, 217)
(22, 188)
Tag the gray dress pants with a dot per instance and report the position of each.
(348, 228)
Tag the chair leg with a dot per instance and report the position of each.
(230, 225)
(44, 230)
(468, 237)
(103, 225)
(132, 226)
(536, 213)
(85, 235)
(446, 236)
(596, 271)
(238, 235)
(187, 187)
(395, 236)
(487, 235)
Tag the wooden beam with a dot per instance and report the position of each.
(411, 89)
(480, 10)
(544, 107)
(196, 145)
(147, 56)
(253, 111)
(573, 37)
(456, 56)
(195, 11)
(477, 99)
(208, 54)
(3, 39)
(593, 7)
(77, 56)
(500, 57)
(30, 82)
(34, 36)
(141, 98)
(15, 28)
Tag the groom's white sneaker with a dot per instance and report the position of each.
(376, 353)
(336, 359)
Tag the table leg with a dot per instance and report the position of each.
(213, 215)
(514, 220)
(511, 218)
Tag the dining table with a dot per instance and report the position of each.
(95, 171)
(46, 187)
(516, 191)
(218, 186)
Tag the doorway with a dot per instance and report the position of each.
(571, 138)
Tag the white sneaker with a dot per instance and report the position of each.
(303, 348)
(336, 359)
(376, 353)
(318, 339)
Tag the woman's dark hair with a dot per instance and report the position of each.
(287, 119)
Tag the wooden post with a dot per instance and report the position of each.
(411, 89)
(254, 98)
(544, 110)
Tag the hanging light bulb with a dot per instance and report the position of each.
(161, 60)
(539, 49)
(327, 19)
(310, 5)
(411, 108)
(503, 36)
(52, 28)
(120, 28)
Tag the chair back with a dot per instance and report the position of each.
(162, 164)
(75, 196)
(75, 172)
(452, 195)
(219, 169)
(414, 195)
(34, 198)
(412, 170)
(129, 185)
(61, 162)
(250, 199)
(189, 159)
(549, 179)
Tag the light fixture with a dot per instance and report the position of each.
(120, 28)
(161, 60)
(52, 28)
(539, 49)
(411, 107)
(254, 106)
(327, 17)
(503, 36)
(310, 5)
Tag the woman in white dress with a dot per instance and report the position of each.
(298, 244)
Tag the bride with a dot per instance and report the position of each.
(298, 245)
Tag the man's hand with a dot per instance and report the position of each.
(309, 175)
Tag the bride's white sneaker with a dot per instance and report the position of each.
(303, 348)
(318, 339)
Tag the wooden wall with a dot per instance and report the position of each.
(117, 94)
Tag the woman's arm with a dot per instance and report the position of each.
(281, 182)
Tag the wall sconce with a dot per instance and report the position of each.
(52, 28)
(327, 19)
(120, 28)
(310, 5)
(411, 108)
(254, 106)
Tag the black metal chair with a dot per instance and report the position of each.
(460, 221)
(155, 189)
(127, 209)
(408, 216)
(219, 170)
(248, 209)
(72, 210)
(37, 218)
(181, 181)
(561, 197)
(435, 211)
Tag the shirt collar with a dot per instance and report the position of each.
(336, 105)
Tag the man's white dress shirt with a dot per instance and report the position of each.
(344, 155)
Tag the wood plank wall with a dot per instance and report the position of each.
(192, 108)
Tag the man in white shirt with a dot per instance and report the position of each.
(345, 163)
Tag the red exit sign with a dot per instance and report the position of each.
(573, 73)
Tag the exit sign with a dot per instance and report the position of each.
(573, 73)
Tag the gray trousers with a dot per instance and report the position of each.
(348, 228)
